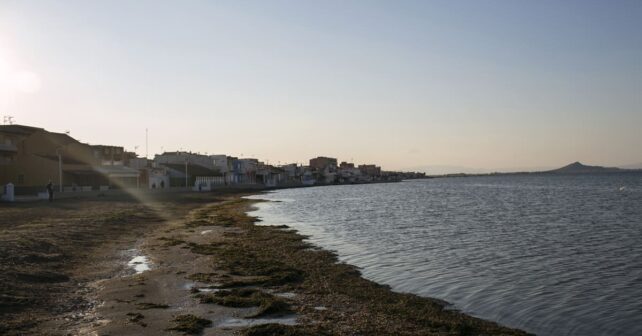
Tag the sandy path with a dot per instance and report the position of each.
(56, 257)
(145, 303)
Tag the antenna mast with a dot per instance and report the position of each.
(146, 144)
(7, 120)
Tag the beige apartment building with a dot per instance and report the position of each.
(30, 157)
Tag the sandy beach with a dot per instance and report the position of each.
(185, 263)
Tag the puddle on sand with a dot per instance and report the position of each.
(140, 264)
(236, 322)
(286, 295)
(192, 285)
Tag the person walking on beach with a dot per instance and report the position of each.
(50, 191)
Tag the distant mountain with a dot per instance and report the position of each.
(578, 168)
(573, 168)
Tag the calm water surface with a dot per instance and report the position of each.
(554, 255)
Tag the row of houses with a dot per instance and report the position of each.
(31, 157)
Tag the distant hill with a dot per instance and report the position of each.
(578, 168)
(573, 168)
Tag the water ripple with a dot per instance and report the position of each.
(554, 255)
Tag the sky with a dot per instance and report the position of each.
(445, 85)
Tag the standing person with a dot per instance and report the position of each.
(50, 191)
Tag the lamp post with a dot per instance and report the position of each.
(59, 168)
(186, 159)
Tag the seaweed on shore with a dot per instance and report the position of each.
(43, 244)
(274, 329)
(190, 324)
(268, 256)
(171, 241)
(248, 297)
(137, 318)
(203, 277)
(148, 305)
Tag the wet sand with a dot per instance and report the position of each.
(190, 264)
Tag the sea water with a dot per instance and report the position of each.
(550, 254)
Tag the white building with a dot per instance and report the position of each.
(221, 163)
(183, 157)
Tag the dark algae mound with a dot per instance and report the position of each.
(273, 329)
(248, 297)
(149, 305)
(331, 297)
(190, 324)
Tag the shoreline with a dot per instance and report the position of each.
(213, 271)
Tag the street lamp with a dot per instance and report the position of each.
(186, 159)
(59, 168)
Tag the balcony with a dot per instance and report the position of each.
(8, 148)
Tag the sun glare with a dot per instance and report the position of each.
(26, 81)
(17, 79)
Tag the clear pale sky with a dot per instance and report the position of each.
(482, 84)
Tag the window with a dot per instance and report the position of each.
(21, 179)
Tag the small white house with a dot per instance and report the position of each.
(158, 178)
